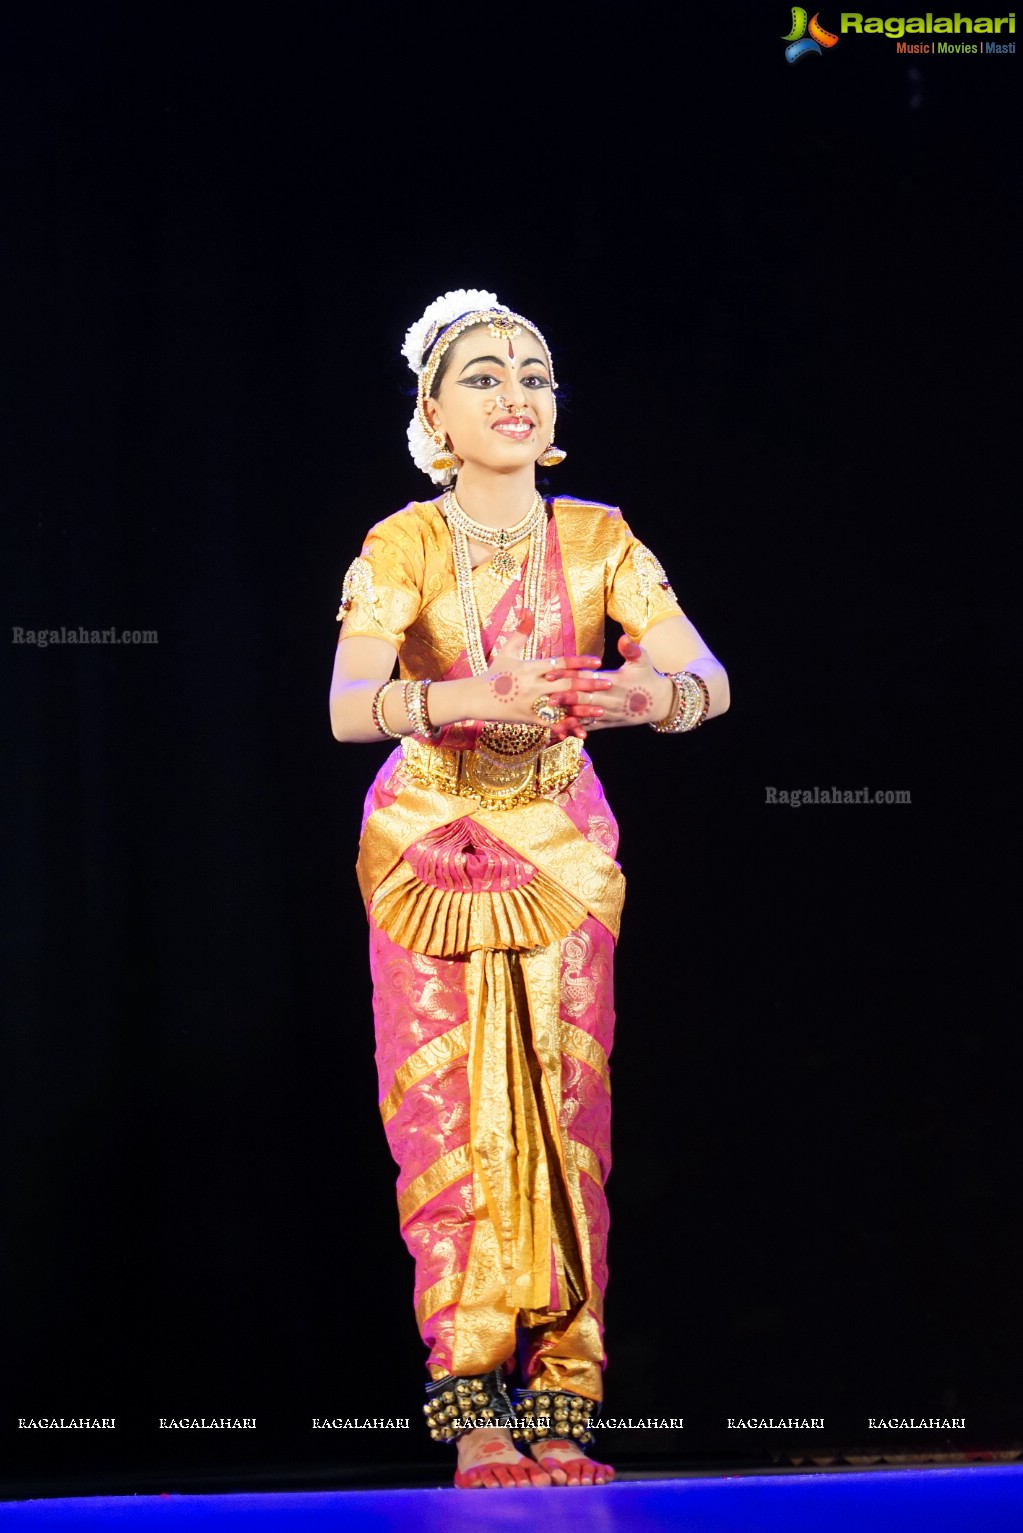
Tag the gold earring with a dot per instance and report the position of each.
(552, 457)
(445, 458)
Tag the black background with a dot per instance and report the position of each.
(782, 301)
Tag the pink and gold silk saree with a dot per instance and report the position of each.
(492, 932)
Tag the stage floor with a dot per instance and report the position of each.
(977, 1499)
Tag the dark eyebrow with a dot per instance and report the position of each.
(529, 362)
(482, 359)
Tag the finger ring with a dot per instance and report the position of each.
(547, 711)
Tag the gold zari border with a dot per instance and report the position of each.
(584, 1047)
(587, 1161)
(445, 1170)
(439, 1295)
(432, 1056)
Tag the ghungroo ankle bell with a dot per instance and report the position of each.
(457, 1405)
(548, 1413)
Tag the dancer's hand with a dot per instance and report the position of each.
(513, 684)
(636, 693)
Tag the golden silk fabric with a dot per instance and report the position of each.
(580, 875)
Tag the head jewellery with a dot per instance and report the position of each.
(425, 345)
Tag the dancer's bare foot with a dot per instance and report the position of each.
(567, 1464)
(489, 1460)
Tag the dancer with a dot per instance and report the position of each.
(487, 866)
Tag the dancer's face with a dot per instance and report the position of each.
(495, 403)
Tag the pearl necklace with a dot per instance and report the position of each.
(535, 560)
(503, 564)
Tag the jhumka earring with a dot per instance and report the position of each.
(445, 458)
(552, 457)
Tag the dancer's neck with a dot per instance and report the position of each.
(496, 500)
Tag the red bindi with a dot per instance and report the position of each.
(511, 351)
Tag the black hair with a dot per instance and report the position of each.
(441, 370)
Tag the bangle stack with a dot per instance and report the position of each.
(690, 704)
(414, 698)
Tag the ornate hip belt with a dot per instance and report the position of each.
(499, 780)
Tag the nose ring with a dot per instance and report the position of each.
(506, 404)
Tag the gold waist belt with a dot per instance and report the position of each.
(496, 779)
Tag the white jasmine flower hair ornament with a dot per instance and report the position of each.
(437, 329)
(441, 312)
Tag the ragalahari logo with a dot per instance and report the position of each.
(799, 43)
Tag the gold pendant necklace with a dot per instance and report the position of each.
(503, 564)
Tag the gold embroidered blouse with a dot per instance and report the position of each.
(402, 586)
